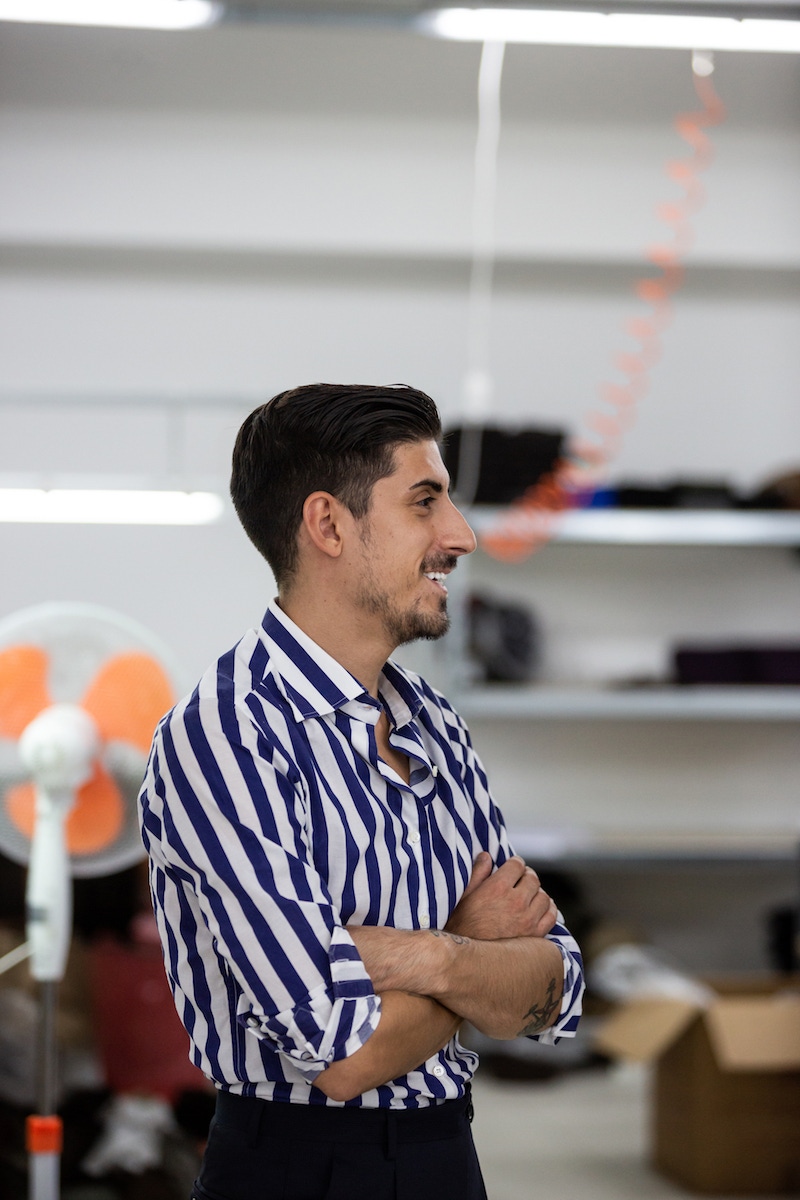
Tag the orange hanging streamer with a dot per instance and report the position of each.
(529, 523)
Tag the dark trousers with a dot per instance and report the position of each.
(261, 1150)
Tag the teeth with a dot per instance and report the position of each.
(437, 576)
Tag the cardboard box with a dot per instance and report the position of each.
(726, 1097)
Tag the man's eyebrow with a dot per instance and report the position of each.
(433, 484)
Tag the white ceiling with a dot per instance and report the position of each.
(338, 67)
(376, 10)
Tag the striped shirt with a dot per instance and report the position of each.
(271, 823)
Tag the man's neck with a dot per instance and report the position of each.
(354, 643)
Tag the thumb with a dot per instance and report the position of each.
(481, 870)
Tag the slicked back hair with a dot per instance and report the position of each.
(328, 437)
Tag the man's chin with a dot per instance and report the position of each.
(433, 634)
(427, 629)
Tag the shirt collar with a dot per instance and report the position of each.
(315, 684)
(399, 695)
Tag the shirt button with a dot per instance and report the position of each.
(415, 838)
(434, 771)
(424, 921)
(253, 1022)
(438, 1070)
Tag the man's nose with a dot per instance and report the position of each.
(459, 537)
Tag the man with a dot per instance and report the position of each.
(331, 877)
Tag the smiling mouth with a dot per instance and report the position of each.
(446, 564)
(437, 577)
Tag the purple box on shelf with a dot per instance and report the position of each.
(737, 664)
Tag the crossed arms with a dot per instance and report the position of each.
(491, 965)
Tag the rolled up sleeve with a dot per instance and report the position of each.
(331, 1022)
(566, 1024)
(231, 828)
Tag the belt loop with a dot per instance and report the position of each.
(470, 1111)
(391, 1135)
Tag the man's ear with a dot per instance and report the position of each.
(322, 522)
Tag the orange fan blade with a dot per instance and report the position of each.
(98, 815)
(92, 824)
(23, 687)
(128, 698)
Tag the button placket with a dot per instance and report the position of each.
(414, 816)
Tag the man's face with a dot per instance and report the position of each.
(410, 540)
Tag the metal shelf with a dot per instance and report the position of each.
(369, 258)
(665, 849)
(658, 703)
(651, 527)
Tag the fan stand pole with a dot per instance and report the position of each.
(47, 1087)
(58, 747)
(44, 1130)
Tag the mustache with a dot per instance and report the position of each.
(445, 563)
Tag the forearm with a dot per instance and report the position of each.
(506, 988)
(411, 1030)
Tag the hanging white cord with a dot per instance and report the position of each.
(14, 957)
(478, 384)
(478, 379)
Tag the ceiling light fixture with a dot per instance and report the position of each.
(127, 14)
(94, 506)
(650, 30)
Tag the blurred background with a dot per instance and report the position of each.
(193, 221)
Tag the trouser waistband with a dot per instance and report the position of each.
(318, 1122)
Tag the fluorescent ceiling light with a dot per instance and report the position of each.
(128, 14)
(653, 30)
(65, 506)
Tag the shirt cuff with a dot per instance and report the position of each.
(566, 1024)
(331, 1022)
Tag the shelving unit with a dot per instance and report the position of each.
(435, 258)
(665, 792)
(634, 527)
(633, 704)
(658, 527)
(662, 850)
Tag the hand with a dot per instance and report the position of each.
(506, 903)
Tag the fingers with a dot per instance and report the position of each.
(547, 922)
(481, 870)
(528, 880)
(516, 874)
(512, 870)
(526, 910)
(543, 914)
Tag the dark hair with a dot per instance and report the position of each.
(335, 438)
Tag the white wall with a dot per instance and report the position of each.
(224, 214)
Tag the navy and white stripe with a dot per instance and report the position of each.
(271, 823)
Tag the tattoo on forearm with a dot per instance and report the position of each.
(454, 937)
(541, 1014)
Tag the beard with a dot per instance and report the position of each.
(404, 625)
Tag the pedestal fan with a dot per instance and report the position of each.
(81, 691)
